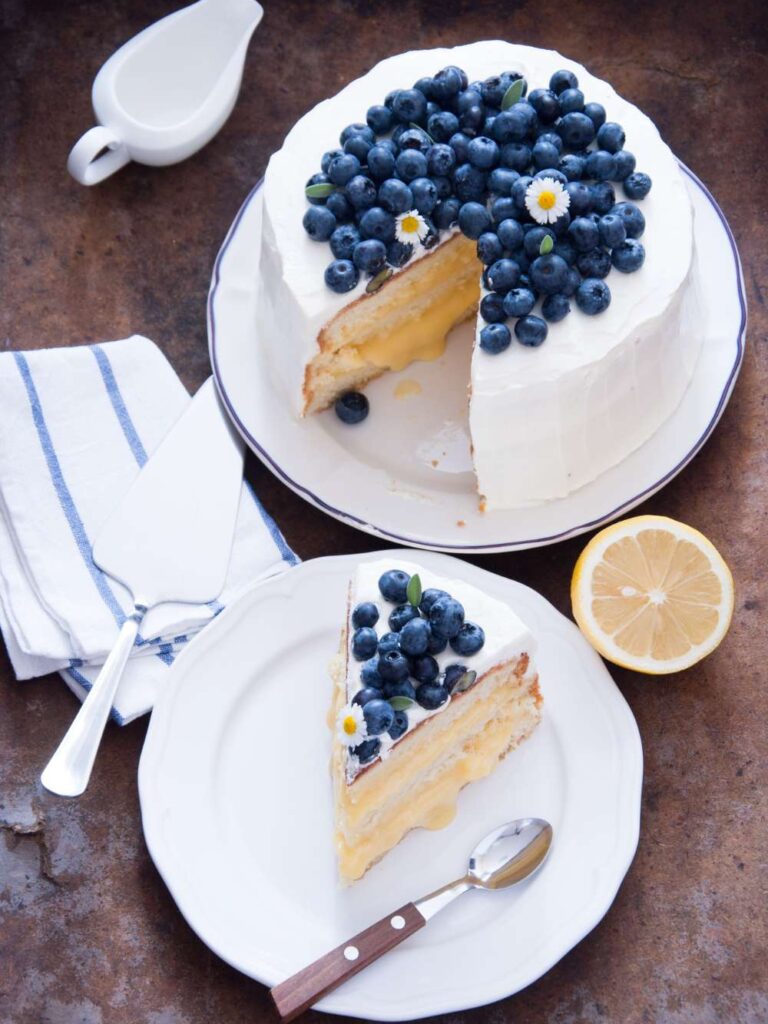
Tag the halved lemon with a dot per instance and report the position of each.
(652, 594)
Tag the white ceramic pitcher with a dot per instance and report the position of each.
(167, 91)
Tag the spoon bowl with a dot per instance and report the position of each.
(510, 853)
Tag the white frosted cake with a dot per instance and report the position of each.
(545, 419)
(412, 728)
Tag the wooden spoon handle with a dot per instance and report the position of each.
(295, 995)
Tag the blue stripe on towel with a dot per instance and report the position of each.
(63, 493)
(118, 404)
(285, 552)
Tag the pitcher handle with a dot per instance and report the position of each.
(84, 162)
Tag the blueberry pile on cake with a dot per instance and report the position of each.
(499, 180)
(433, 685)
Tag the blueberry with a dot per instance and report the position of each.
(441, 159)
(510, 234)
(629, 256)
(555, 307)
(562, 80)
(369, 674)
(398, 253)
(395, 196)
(425, 669)
(572, 167)
(595, 263)
(472, 119)
(381, 163)
(637, 186)
(574, 280)
(549, 273)
(370, 256)
(364, 643)
(576, 130)
(468, 98)
(459, 143)
(359, 147)
(531, 330)
(494, 89)
(318, 179)
(357, 129)
(483, 153)
(446, 617)
(393, 586)
(424, 195)
(603, 197)
(424, 85)
(510, 126)
(446, 83)
(601, 165)
(566, 250)
(501, 180)
(389, 642)
(492, 308)
(453, 674)
(340, 207)
(410, 105)
(365, 614)
(432, 237)
(400, 615)
(378, 714)
(379, 119)
(474, 219)
(341, 276)
(414, 138)
(504, 208)
(414, 636)
(489, 248)
(571, 100)
(377, 223)
(393, 666)
(593, 296)
(561, 225)
(468, 640)
(437, 644)
(533, 239)
(319, 223)
(442, 185)
(549, 134)
(596, 113)
(343, 241)
(429, 596)
(611, 136)
(581, 198)
(519, 302)
(401, 688)
(446, 213)
(516, 156)
(367, 750)
(552, 172)
(469, 183)
(325, 162)
(625, 165)
(633, 219)
(544, 102)
(399, 726)
(343, 168)
(527, 112)
(525, 283)
(367, 693)
(431, 696)
(411, 164)
(612, 230)
(544, 154)
(361, 192)
(583, 234)
(495, 338)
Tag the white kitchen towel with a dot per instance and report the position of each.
(76, 426)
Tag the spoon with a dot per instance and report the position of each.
(504, 857)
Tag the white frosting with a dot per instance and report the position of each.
(543, 421)
(505, 635)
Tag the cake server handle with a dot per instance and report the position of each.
(295, 995)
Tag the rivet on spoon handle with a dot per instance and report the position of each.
(298, 993)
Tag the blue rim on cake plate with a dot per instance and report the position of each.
(388, 485)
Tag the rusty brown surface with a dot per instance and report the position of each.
(88, 932)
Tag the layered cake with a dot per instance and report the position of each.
(433, 685)
(493, 181)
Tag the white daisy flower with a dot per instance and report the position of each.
(546, 200)
(410, 227)
(350, 725)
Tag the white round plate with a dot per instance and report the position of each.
(413, 483)
(237, 809)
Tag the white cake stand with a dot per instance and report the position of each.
(412, 482)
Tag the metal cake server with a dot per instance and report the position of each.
(504, 857)
(169, 539)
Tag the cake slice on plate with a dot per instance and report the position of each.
(434, 684)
